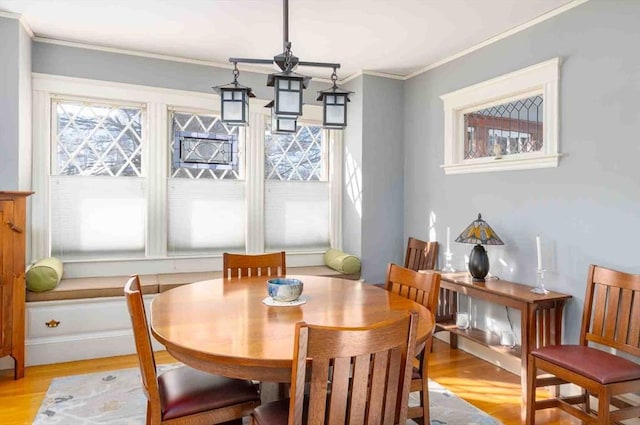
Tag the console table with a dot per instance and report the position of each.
(541, 318)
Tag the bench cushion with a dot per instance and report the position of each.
(93, 287)
(113, 286)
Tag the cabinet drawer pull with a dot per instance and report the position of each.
(52, 323)
(14, 227)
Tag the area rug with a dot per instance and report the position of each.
(116, 398)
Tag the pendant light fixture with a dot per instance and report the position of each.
(288, 90)
(234, 100)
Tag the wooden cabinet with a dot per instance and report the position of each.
(12, 271)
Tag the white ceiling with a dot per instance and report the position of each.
(388, 36)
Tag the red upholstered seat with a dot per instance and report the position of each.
(185, 391)
(598, 365)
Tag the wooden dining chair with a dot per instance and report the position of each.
(352, 374)
(422, 288)
(421, 255)
(611, 321)
(184, 396)
(242, 265)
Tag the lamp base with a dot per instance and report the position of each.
(478, 263)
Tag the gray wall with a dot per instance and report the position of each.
(100, 65)
(586, 210)
(382, 176)
(372, 214)
(9, 103)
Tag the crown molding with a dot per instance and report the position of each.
(499, 37)
(9, 15)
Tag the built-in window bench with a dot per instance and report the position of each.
(84, 318)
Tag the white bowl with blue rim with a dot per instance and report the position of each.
(284, 289)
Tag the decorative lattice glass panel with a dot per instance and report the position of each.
(510, 128)
(199, 123)
(295, 157)
(98, 140)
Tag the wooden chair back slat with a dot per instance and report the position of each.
(245, 265)
(421, 255)
(359, 389)
(633, 334)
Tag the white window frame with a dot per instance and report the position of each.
(155, 170)
(540, 79)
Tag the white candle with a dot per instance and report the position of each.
(448, 240)
(539, 251)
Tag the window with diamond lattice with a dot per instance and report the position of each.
(299, 156)
(98, 140)
(510, 128)
(200, 123)
(205, 207)
(297, 191)
(97, 185)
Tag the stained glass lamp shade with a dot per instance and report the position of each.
(480, 233)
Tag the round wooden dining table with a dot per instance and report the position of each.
(222, 326)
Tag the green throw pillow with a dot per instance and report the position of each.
(44, 275)
(341, 261)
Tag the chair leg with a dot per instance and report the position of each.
(604, 404)
(531, 392)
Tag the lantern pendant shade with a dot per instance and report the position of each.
(288, 88)
(334, 107)
(234, 103)
(281, 125)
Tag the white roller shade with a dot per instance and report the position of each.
(206, 216)
(296, 215)
(97, 217)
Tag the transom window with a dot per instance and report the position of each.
(505, 129)
(507, 123)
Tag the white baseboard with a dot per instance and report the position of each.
(505, 361)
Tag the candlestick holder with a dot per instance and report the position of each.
(540, 289)
(447, 267)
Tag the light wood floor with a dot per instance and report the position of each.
(488, 387)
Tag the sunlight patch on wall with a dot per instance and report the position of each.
(432, 226)
(353, 183)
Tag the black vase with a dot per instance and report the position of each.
(478, 263)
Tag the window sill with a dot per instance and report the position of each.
(502, 164)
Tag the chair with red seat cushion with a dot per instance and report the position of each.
(184, 395)
(352, 374)
(610, 326)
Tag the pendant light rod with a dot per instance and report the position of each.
(285, 25)
(286, 46)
